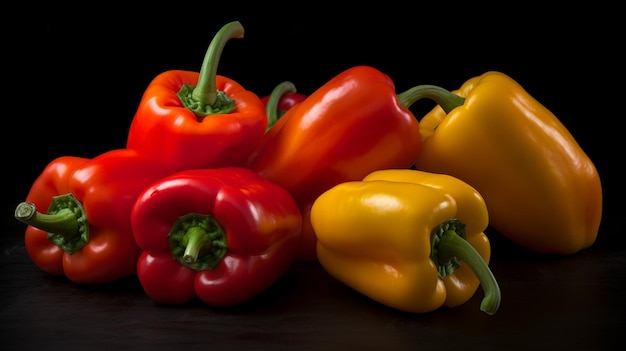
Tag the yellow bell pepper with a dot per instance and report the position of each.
(542, 191)
(408, 239)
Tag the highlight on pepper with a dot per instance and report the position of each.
(542, 190)
(408, 239)
(219, 191)
(188, 119)
(222, 235)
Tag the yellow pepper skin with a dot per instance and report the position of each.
(542, 190)
(378, 237)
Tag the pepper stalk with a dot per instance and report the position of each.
(449, 248)
(204, 98)
(65, 221)
(197, 241)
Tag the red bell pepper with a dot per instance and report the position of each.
(85, 232)
(190, 120)
(283, 97)
(351, 126)
(223, 235)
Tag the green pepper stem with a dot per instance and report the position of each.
(64, 222)
(197, 241)
(272, 103)
(206, 89)
(444, 98)
(453, 245)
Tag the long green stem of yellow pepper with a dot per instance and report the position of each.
(450, 247)
(444, 98)
(204, 98)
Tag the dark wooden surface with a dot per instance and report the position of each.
(72, 82)
(548, 303)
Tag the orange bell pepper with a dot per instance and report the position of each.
(352, 125)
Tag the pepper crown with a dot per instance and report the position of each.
(204, 98)
(449, 249)
(197, 241)
(65, 221)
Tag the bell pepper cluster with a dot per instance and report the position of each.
(219, 191)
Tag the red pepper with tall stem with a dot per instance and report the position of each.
(189, 119)
(349, 127)
(223, 235)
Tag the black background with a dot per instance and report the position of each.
(74, 76)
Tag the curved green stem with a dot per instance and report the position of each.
(272, 103)
(197, 241)
(205, 98)
(205, 90)
(444, 98)
(450, 247)
(65, 221)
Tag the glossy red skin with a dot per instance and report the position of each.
(166, 130)
(262, 225)
(349, 127)
(286, 101)
(107, 187)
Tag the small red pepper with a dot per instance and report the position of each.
(349, 127)
(85, 233)
(198, 120)
(223, 235)
(283, 97)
